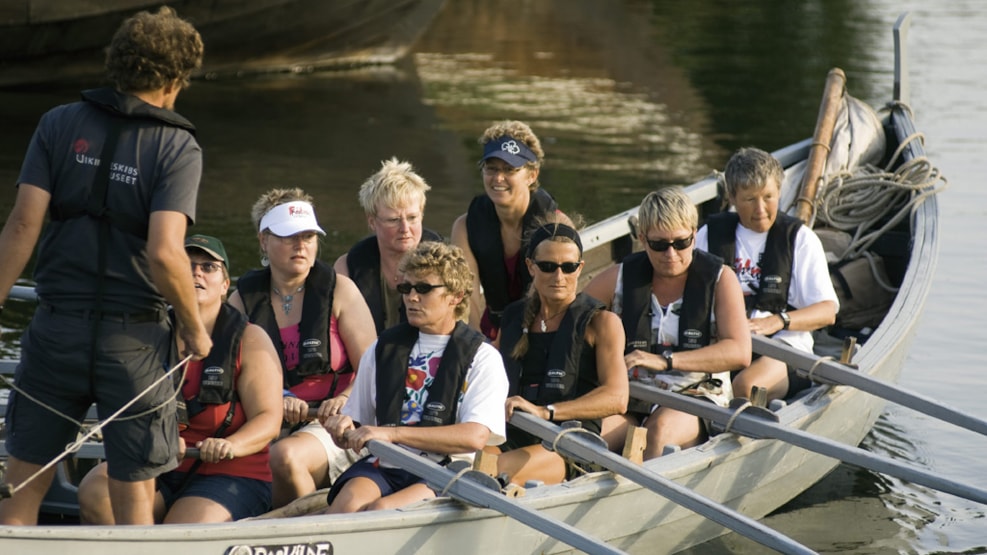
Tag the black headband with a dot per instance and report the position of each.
(553, 230)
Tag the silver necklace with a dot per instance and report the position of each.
(286, 299)
(544, 321)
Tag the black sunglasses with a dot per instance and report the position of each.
(678, 244)
(550, 267)
(422, 288)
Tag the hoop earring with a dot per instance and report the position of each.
(265, 261)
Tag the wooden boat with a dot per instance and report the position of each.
(46, 40)
(753, 476)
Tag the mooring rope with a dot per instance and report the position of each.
(9, 491)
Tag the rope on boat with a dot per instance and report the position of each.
(8, 491)
(815, 365)
(858, 202)
(454, 479)
(733, 417)
(82, 425)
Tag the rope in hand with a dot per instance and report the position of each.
(9, 491)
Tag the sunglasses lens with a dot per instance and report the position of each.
(421, 288)
(550, 267)
(678, 244)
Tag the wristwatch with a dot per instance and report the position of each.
(551, 412)
(786, 320)
(667, 355)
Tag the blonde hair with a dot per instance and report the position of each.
(448, 263)
(394, 185)
(667, 208)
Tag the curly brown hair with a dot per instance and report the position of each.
(149, 51)
(448, 263)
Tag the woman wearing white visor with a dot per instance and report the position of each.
(321, 326)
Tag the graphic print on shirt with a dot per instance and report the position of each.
(422, 368)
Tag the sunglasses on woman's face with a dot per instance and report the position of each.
(677, 244)
(550, 267)
(421, 288)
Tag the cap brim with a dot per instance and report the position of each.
(210, 252)
(514, 160)
(288, 229)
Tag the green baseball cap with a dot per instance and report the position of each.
(209, 245)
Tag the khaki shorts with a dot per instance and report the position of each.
(339, 459)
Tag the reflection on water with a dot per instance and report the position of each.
(626, 96)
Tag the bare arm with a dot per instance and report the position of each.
(356, 324)
(465, 437)
(460, 238)
(20, 234)
(259, 390)
(810, 318)
(602, 286)
(341, 267)
(170, 273)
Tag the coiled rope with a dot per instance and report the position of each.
(860, 201)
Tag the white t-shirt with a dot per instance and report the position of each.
(482, 402)
(810, 274)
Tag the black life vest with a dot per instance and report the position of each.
(775, 263)
(313, 330)
(363, 264)
(217, 382)
(483, 228)
(695, 326)
(124, 111)
(393, 353)
(558, 377)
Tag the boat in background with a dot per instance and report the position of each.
(752, 476)
(56, 40)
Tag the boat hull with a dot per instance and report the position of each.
(46, 40)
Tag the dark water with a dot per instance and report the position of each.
(627, 96)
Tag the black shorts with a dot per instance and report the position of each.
(388, 480)
(55, 370)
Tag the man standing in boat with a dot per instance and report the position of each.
(781, 266)
(119, 173)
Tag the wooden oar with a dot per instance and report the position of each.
(766, 425)
(578, 447)
(827, 371)
(819, 151)
(473, 493)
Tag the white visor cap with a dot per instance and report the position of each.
(290, 218)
